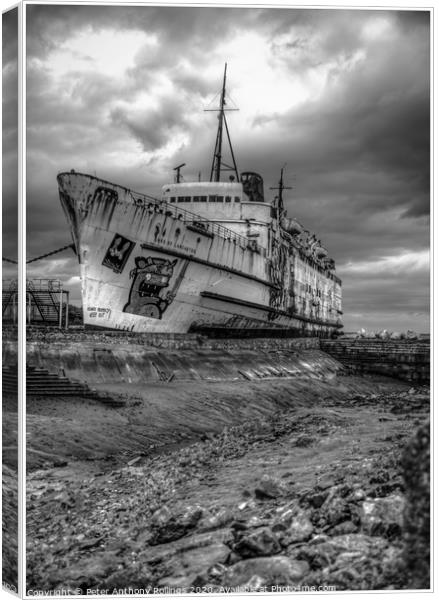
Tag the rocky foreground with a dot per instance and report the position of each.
(334, 494)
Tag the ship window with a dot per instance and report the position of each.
(203, 198)
(196, 198)
(228, 199)
(220, 198)
(173, 199)
(236, 198)
(181, 198)
(212, 198)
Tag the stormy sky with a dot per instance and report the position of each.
(341, 96)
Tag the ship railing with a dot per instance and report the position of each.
(10, 285)
(44, 285)
(201, 223)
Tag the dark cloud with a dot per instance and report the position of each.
(10, 138)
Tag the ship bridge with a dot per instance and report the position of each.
(225, 203)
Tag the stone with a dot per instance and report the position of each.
(383, 334)
(343, 528)
(317, 499)
(167, 526)
(396, 335)
(269, 487)
(325, 554)
(325, 483)
(335, 510)
(357, 495)
(382, 516)
(260, 542)
(319, 538)
(129, 576)
(272, 571)
(292, 525)
(88, 573)
(416, 518)
(304, 440)
(219, 519)
(411, 335)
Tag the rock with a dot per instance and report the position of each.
(382, 516)
(319, 538)
(88, 573)
(325, 554)
(269, 487)
(167, 527)
(380, 476)
(260, 542)
(383, 334)
(325, 483)
(197, 562)
(411, 335)
(131, 576)
(343, 528)
(416, 522)
(318, 498)
(292, 525)
(216, 572)
(304, 440)
(396, 335)
(272, 571)
(335, 510)
(214, 521)
(356, 495)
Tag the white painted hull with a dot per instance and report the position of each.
(147, 267)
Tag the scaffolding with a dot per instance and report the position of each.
(46, 302)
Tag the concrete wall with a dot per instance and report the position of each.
(404, 359)
(101, 363)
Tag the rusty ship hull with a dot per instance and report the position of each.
(151, 265)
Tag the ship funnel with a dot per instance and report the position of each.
(253, 186)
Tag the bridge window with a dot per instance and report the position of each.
(203, 198)
(196, 198)
(181, 198)
(228, 199)
(212, 198)
(173, 199)
(237, 199)
(187, 198)
(220, 198)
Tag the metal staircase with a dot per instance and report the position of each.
(46, 302)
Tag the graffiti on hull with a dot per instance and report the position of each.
(147, 296)
(118, 253)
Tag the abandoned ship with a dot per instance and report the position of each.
(205, 257)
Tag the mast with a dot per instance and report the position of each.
(281, 187)
(217, 163)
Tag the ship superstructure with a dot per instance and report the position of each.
(206, 256)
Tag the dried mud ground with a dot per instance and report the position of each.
(216, 487)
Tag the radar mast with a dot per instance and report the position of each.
(217, 162)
